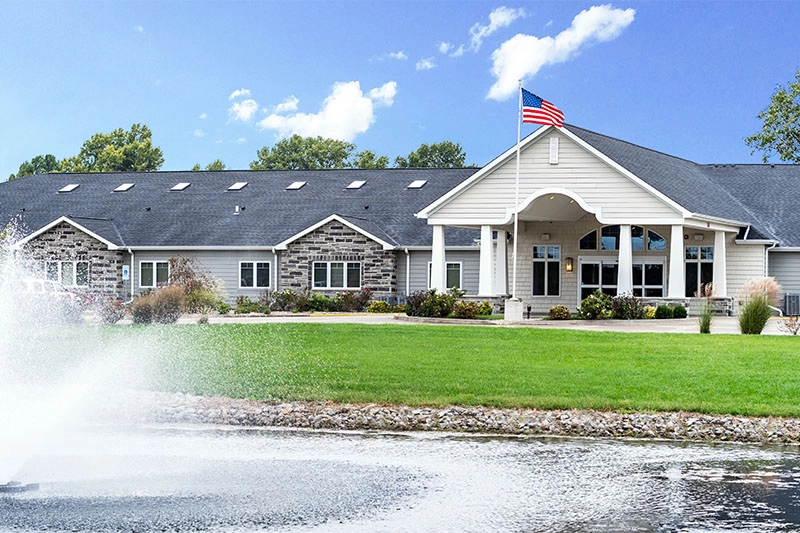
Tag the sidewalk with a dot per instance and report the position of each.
(720, 325)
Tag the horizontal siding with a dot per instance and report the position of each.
(785, 268)
(470, 270)
(221, 265)
(745, 262)
(578, 170)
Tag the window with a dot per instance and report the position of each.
(641, 239)
(68, 273)
(180, 186)
(69, 188)
(417, 184)
(254, 274)
(336, 275)
(699, 268)
(357, 184)
(124, 187)
(452, 276)
(296, 185)
(648, 279)
(546, 270)
(153, 273)
(238, 186)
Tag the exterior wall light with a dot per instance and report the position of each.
(569, 264)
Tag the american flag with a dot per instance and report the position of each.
(538, 111)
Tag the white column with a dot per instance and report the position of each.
(720, 262)
(677, 271)
(486, 275)
(438, 279)
(500, 262)
(625, 262)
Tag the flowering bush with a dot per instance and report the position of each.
(486, 309)
(466, 310)
(559, 312)
(110, 310)
(596, 305)
(626, 307)
(650, 312)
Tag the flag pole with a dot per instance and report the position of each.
(516, 199)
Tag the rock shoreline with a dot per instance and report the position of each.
(181, 408)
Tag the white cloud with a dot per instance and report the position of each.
(288, 105)
(525, 55)
(426, 63)
(445, 47)
(499, 18)
(138, 28)
(203, 116)
(345, 113)
(239, 93)
(240, 140)
(400, 55)
(243, 110)
(199, 133)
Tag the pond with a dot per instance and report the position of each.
(213, 478)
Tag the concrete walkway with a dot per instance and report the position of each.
(720, 324)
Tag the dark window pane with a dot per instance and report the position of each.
(320, 274)
(590, 274)
(610, 238)
(539, 252)
(637, 238)
(162, 273)
(82, 273)
(51, 270)
(453, 275)
(337, 275)
(553, 271)
(246, 275)
(553, 252)
(353, 275)
(654, 274)
(262, 274)
(589, 241)
(586, 292)
(707, 253)
(538, 278)
(609, 275)
(637, 292)
(706, 273)
(637, 274)
(146, 275)
(654, 292)
(691, 279)
(692, 252)
(655, 241)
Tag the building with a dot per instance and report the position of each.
(594, 213)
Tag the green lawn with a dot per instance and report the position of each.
(441, 365)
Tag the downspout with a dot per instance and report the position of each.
(133, 269)
(275, 275)
(408, 272)
(766, 257)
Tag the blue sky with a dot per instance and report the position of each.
(223, 79)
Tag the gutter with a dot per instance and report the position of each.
(766, 257)
(133, 275)
(408, 272)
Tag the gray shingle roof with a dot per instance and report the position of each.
(765, 196)
(149, 214)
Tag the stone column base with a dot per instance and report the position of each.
(513, 311)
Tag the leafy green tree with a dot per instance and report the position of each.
(445, 154)
(119, 150)
(41, 164)
(367, 159)
(780, 133)
(304, 153)
(217, 164)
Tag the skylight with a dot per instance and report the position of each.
(296, 185)
(417, 184)
(124, 187)
(238, 186)
(69, 188)
(356, 184)
(180, 186)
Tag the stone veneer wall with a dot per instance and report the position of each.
(336, 242)
(64, 242)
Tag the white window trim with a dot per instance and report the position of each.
(73, 281)
(460, 273)
(155, 276)
(328, 285)
(547, 260)
(255, 275)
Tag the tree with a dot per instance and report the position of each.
(217, 164)
(445, 154)
(41, 164)
(119, 150)
(780, 133)
(367, 159)
(304, 153)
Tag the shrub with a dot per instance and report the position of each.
(354, 301)
(466, 310)
(142, 309)
(650, 312)
(321, 303)
(754, 315)
(679, 311)
(110, 310)
(201, 301)
(283, 300)
(168, 303)
(399, 308)
(432, 304)
(245, 305)
(559, 312)
(379, 306)
(626, 307)
(223, 308)
(790, 324)
(705, 318)
(415, 301)
(597, 305)
(486, 308)
(664, 311)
